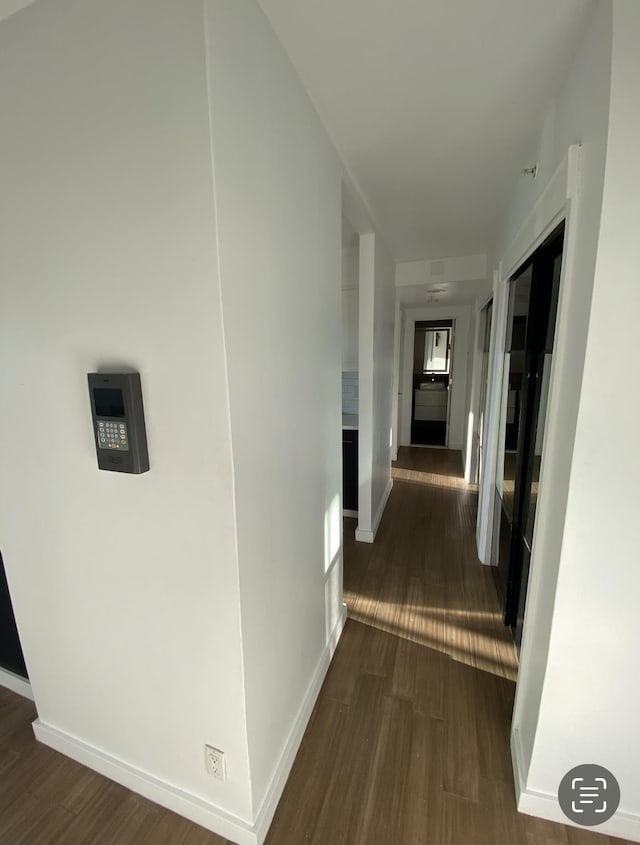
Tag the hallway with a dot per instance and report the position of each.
(409, 741)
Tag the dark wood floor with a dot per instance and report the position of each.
(409, 740)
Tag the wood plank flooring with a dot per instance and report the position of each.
(47, 799)
(409, 741)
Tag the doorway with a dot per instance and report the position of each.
(11, 656)
(533, 301)
(432, 370)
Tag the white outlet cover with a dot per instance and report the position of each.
(214, 761)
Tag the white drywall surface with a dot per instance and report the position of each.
(591, 697)
(578, 114)
(125, 587)
(375, 344)
(383, 336)
(278, 193)
(350, 308)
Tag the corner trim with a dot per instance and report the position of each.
(16, 684)
(338, 628)
(282, 769)
(517, 761)
(364, 536)
(544, 805)
(190, 806)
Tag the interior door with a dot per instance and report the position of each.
(11, 656)
(533, 299)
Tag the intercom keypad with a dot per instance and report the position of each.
(113, 435)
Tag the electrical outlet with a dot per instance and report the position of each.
(214, 759)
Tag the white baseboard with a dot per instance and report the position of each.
(190, 806)
(283, 767)
(16, 684)
(365, 536)
(544, 805)
(352, 514)
(338, 628)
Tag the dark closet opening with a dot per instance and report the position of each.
(533, 302)
(11, 656)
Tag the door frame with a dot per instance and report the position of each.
(442, 324)
(463, 315)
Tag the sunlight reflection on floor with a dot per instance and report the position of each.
(467, 637)
(433, 479)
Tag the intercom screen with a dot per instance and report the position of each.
(109, 402)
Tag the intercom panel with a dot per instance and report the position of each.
(118, 421)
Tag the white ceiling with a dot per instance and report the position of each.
(444, 294)
(431, 103)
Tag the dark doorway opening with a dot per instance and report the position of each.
(11, 656)
(432, 360)
(533, 302)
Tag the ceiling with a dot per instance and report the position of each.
(443, 294)
(432, 104)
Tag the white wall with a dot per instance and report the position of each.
(350, 308)
(350, 261)
(383, 336)
(376, 340)
(594, 647)
(125, 587)
(472, 412)
(462, 362)
(278, 193)
(150, 627)
(576, 699)
(578, 114)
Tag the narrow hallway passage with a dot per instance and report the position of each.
(409, 740)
